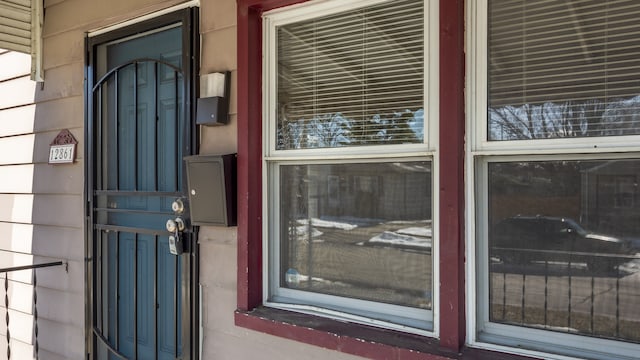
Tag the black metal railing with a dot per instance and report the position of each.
(585, 293)
(6, 272)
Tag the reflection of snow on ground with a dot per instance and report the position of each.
(556, 328)
(632, 266)
(416, 231)
(304, 231)
(295, 280)
(328, 224)
(395, 222)
(395, 239)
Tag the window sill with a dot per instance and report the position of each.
(355, 339)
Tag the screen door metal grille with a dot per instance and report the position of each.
(139, 130)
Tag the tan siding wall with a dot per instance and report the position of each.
(16, 200)
(9, 124)
(17, 87)
(58, 211)
(15, 65)
(88, 15)
(41, 217)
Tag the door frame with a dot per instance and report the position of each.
(189, 18)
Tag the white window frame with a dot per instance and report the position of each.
(408, 319)
(481, 152)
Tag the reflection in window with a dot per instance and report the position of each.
(352, 78)
(563, 254)
(375, 246)
(626, 189)
(563, 69)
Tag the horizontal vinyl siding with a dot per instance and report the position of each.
(16, 189)
(41, 219)
(16, 92)
(15, 149)
(13, 179)
(15, 65)
(15, 22)
(16, 237)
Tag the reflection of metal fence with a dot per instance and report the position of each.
(567, 295)
(35, 301)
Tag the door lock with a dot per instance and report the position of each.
(176, 246)
(177, 206)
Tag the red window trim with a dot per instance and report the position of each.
(451, 207)
(451, 153)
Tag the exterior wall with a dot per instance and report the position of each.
(41, 214)
(16, 198)
(41, 218)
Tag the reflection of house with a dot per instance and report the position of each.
(610, 197)
(398, 192)
(526, 189)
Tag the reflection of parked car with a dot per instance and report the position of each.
(522, 239)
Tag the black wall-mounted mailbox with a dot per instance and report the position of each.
(212, 111)
(212, 189)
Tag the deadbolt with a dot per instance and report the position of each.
(178, 206)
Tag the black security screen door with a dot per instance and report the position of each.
(139, 129)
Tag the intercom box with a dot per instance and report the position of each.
(212, 184)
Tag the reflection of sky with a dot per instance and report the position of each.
(417, 123)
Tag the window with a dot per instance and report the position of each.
(554, 169)
(349, 156)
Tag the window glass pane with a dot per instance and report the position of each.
(561, 69)
(564, 246)
(352, 78)
(360, 231)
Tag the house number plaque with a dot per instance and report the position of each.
(63, 148)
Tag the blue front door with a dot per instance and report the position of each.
(140, 132)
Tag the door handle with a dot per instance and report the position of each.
(176, 224)
(172, 227)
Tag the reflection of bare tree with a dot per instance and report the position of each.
(296, 131)
(329, 130)
(394, 129)
(562, 120)
(509, 123)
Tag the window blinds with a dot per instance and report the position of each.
(352, 78)
(563, 68)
